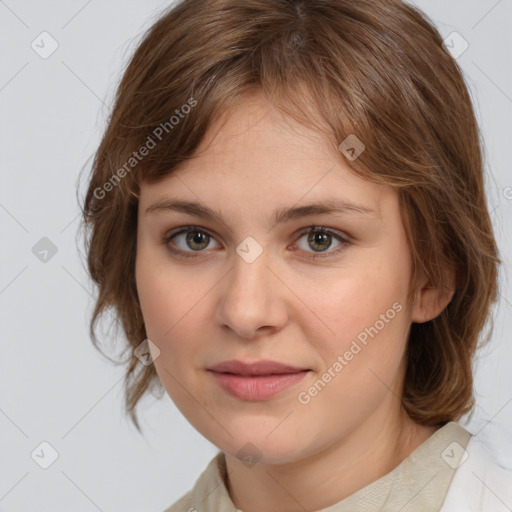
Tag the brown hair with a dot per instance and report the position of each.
(377, 70)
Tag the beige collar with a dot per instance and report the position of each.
(418, 484)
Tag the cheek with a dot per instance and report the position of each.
(172, 303)
(362, 365)
(355, 302)
(168, 317)
(154, 301)
(166, 294)
(367, 321)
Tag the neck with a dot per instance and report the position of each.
(323, 479)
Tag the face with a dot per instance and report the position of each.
(321, 291)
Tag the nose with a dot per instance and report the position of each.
(252, 298)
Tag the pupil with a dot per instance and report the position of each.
(320, 238)
(196, 237)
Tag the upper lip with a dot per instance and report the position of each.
(264, 367)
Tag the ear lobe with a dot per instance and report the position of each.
(429, 302)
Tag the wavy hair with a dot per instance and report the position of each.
(377, 70)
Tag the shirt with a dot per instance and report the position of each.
(420, 483)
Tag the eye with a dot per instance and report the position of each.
(195, 239)
(192, 239)
(320, 239)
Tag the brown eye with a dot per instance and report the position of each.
(320, 240)
(196, 240)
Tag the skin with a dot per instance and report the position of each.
(284, 306)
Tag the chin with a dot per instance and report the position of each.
(259, 443)
(251, 453)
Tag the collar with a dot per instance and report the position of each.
(419, 483)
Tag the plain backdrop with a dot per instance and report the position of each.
(56, 388)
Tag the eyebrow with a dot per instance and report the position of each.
(281, 215)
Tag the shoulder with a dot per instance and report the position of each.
(208, 491)
(184, 504)
(483, 480)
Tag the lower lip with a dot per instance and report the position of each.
(257, 387)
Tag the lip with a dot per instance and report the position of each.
(263, 367)
(256, 381)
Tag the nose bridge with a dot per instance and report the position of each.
(250, 273)
(250, 298)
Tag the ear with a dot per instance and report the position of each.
(429, 302)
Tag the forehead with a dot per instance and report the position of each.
(254, 155)
(254, 124)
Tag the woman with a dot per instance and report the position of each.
(287, 211)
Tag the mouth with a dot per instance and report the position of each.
(256, 381)
(263, 367)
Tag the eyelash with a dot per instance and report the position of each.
(318, 229)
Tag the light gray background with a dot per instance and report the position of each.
(55, 386)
